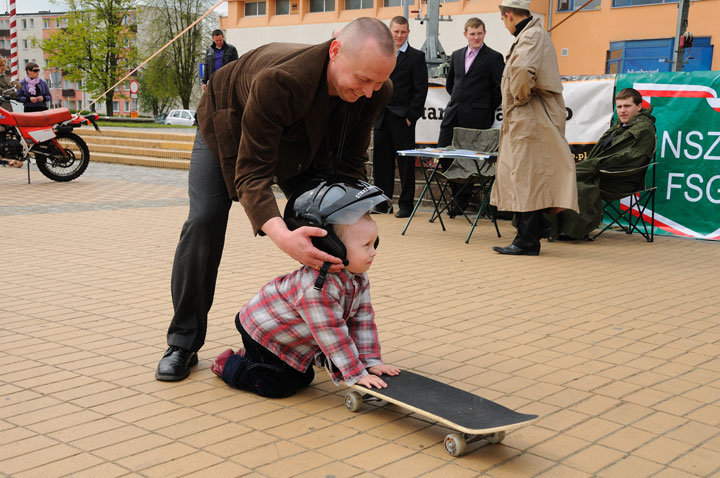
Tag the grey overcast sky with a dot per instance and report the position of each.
(32, 6)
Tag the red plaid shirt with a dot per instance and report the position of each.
(294, 321)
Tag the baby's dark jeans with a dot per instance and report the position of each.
(262, 372)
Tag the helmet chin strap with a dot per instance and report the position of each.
(320, 281)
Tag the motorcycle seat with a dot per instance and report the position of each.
(43, 118)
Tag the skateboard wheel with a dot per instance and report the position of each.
(353, 401)
(496, 438)
(455, 444)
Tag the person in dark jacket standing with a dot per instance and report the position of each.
(395, 127)
(474, 85)
(34, 92)
(219, 54)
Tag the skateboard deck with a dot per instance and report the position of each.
(474, 416)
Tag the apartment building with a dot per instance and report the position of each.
(31, 29)
(607, 36)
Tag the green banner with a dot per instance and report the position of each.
(687, 109)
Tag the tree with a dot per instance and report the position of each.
(157, 84)
(96, 46)
(187, 51)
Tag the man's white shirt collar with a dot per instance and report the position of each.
(403, 48)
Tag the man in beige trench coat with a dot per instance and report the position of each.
(535, 170)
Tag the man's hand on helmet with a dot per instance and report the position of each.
(298, 245)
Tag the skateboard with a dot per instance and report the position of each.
(476, 418)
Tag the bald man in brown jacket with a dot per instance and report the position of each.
(278, 114)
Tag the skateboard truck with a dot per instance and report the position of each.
(455, 443)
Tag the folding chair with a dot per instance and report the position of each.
(472, 174)
(628, 210)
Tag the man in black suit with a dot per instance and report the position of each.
(474, 86)
(395, 126)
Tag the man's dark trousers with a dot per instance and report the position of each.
(531, 227)
(393, 135)
(199, 250)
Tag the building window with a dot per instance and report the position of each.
(5, 24)
(116, 106)
(322, 5)
(635, 3)
(254, 9)
(572, 5)
(358, 4)
(24, 24)
(46, 23)
(282, 7)
(25, 44)
(32, 23)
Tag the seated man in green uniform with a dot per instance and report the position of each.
(627, 144)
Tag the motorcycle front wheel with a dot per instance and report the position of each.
(58, 166)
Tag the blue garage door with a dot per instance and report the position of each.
(637, 56)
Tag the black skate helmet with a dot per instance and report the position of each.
(326, 200)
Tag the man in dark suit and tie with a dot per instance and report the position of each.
(474, 85)
(395, 126)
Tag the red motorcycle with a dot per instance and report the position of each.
(46, 137)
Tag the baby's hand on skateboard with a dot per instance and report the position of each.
(384, 369)
(371, 381)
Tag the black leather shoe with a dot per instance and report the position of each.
(175, 364)
(402, 213)
(514, 250)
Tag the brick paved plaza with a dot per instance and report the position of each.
(616, 344)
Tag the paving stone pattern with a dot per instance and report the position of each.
(616, 344)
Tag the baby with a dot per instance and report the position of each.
(292, 321)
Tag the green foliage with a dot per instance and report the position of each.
(173, 16)
(97, 46)
(158, 89)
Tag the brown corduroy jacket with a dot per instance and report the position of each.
(267, 118)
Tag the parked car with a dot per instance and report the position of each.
(181, 117)
(161, 118)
